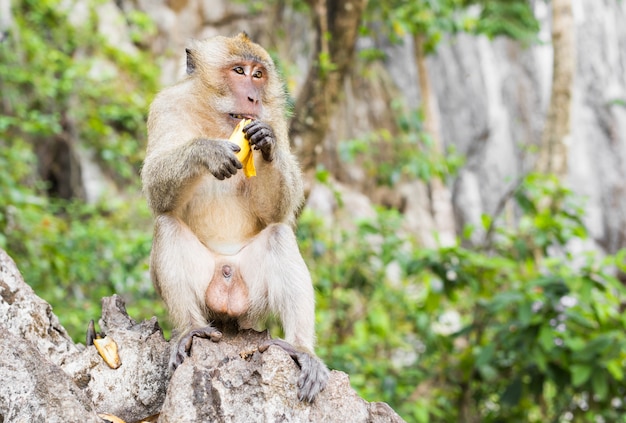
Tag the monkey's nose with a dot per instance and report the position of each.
(252, 100)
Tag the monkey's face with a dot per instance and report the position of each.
(236, 79)
(247, 81)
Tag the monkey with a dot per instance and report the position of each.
(224, 248)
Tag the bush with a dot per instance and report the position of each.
(517, 332)
(64, 83)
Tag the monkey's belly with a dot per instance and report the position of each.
(221, 218)
(227, 294)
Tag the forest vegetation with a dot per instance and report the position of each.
(515, 328)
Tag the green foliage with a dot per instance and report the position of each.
(520, 330)
(431, 20)
(524, 331)
(65, 82)
(388, 158)
(55, 76)
(325, 64)
(617, 102)
(513, 19)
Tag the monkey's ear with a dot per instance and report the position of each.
(244, 35)
(191, 61)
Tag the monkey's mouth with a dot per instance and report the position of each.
(239, 116)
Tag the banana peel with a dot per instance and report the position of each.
(107, 348)
(114, 419)
(245, 155)
(110, 418)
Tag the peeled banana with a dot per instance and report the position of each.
(245, 155)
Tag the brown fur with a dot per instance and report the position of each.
(208, 215)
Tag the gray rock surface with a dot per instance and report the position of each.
(493, 96)
(231, 382)
(35, 390)
(47, 378)
(28, 317)
(137, 388)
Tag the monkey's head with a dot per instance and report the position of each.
(236, 77)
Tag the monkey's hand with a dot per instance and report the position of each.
(219, 158)
(313, 372)
(182, 349)
(261, 136)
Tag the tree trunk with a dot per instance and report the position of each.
(336, 26)
(6, 19)
(553, 148)
(440, 197)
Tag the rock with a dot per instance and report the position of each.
(136, 389)
(231, 382)
(28, 317)
(47, 378)
(36, 390)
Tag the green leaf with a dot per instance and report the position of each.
(575, 343)
(540, 359)
(513, 393)
(546, 338)
(488, 372)
(525, 314)
(486, 220)
(580, 374)
(615, 368)
(485, 355)
(600, 385)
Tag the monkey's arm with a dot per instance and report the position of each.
(168, 175)
(276, 193)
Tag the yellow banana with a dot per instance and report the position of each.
(110, 418)
(107, 348)
(245, 155)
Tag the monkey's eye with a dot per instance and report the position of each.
(239, 70)
(258, 74)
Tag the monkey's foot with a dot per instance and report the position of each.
(182, 349)
(313, 372)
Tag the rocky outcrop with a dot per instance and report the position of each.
(493, 97)
(48, 378)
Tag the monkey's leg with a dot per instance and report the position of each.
(181, 268)
(278, 279)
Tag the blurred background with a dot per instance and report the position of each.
(465, 170)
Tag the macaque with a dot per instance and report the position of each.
(224, 248)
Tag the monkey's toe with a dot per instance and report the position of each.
(313, 372)
(286, 346)
(313, 377)
(182, 349)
